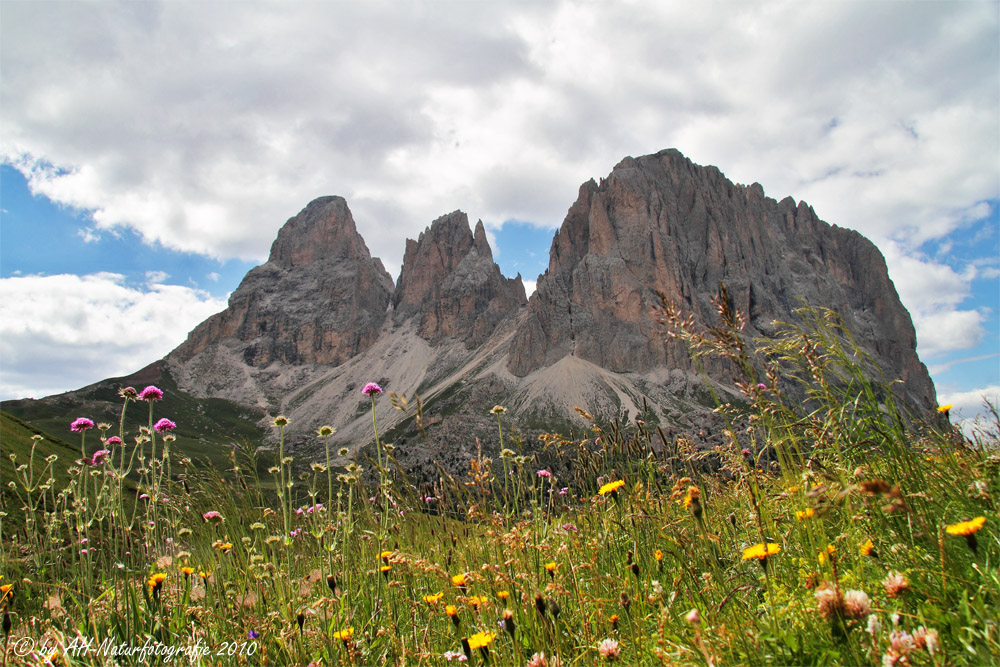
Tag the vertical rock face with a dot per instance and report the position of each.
(320, 298)
(450, 285)
(660, 222)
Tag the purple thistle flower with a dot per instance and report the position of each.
(113, 440)
(164, 425)
(761, 385)
(371, 388)
(211, 514)
(544, 473)
(150, 393)
(253, 634)
(81, 424)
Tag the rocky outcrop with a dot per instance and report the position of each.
(319, 299)
(450, 285)
(662, 223)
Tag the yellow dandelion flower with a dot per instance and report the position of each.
(5, 592)
(944, 409)
(450, 609)
(761, 551)
(458, 581)
(807, 513)
(188, 571)
(867, 548)
(477, 600)
(551, 568)
(433, 599)
(611, 487)
(658, 555)
(503, 595)
(385, 555)
(821, 557)
(481, 639)
(966, 527)
(385, 569)
(344, 635)
(692, 496)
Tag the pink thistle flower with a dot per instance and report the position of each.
(150, 394)
(98, 457)
(371, 388)
(761, 385)
(164, 425)
(113, 440)
(144, 496)
(544, 473)
(212, 514)
(856, 604)
(81, 424)
(128, 393)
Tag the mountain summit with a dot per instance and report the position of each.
(304, 331)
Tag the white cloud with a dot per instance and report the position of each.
(204, 129)
(156, 277)
(933, 293)
(529, 286)
(68, 331)
(213, 276)
(970, 412)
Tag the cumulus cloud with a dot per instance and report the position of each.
(971, 411)
(68, 331)
(205, 128)
(933, 293)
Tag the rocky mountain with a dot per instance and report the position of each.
(304, 331)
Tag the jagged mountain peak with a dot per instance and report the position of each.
(450, 285)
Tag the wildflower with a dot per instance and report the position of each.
(325, 431)
(459, 581)
(371, 389)
(945, 409)
(212, 514)
(498, 410)
(868, 549)
(164, 425)
(540, 603)
(253, 634)
(385, 555)
(113, 440)
(344, 635)
(926, 638)
(692, 501)
(609, 649)
(188, 571)
(856, 604)
(224, 547)
(452, 612)
(807, 513)
(507, 622)
(481, 639)
(156, 583)
(81, 424)
(551, 568)
(874, 625)
(895, 584)
(761, 551)
(477, 600)
(150, 394)
(830, 602)
(281, 420)
(544, 473)
(98, 457)
(433, 599)
(204, 576)
(693, 617)
(128, 393)
(5, 592)
(450, 655)
(538, 660)
(968, 530)
(300, 618)
(385, 570)
(658, 555)
(611, 488)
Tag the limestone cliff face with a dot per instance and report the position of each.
(450, 285)
(660, 222)
(319, 299)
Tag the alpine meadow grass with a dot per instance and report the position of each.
(831, 528)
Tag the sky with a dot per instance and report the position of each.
(149, 152)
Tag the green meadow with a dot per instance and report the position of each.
(831, 527)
